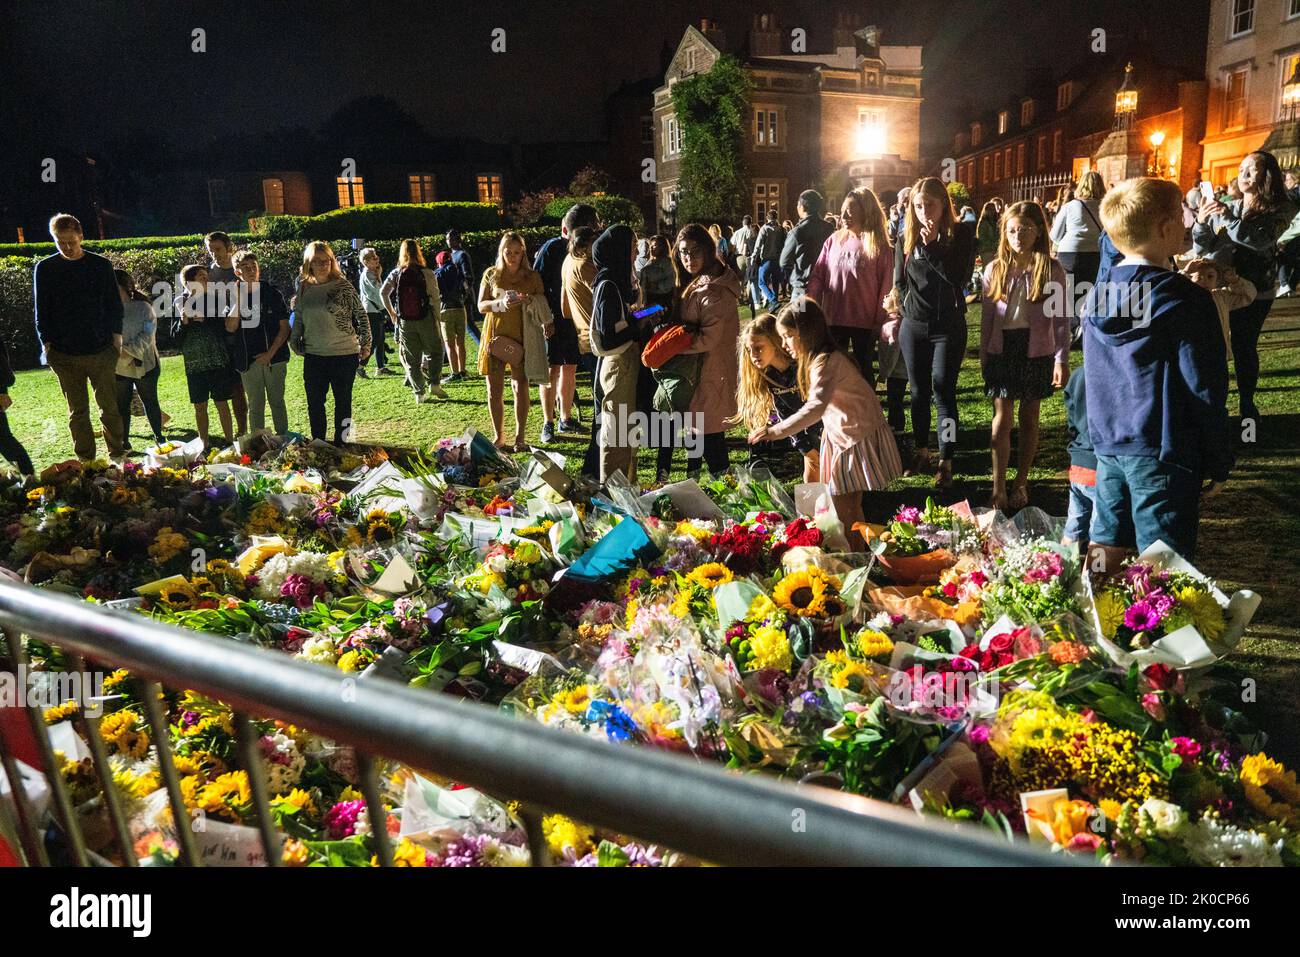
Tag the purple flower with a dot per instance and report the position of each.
(908, 513)
(1141, 617)
(341, 819)
(466, 851)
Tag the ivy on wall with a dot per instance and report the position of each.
(712, 111)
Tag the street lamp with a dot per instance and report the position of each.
(1291, 93)
(1126, 101)
(1157, 138)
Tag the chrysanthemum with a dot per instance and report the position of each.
(1110, 612)
(770, 648)
(873, 644)
(1206, 614)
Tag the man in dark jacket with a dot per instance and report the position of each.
(804, 244)
(79, 322)
(765, 264)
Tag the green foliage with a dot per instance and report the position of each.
(960, 195)
(105, 246)
(712, 110)
(383, 221)
(611, 209)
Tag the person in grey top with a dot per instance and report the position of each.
(222, 270)
(804, 244)
(1076, 230)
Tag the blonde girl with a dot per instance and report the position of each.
(767, 390)
(1024, 353)
(858, 452)
(506, 286)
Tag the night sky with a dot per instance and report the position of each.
(82, 73)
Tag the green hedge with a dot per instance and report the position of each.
(612, 209)
(383, 221)
(280, 262)
(105, 246)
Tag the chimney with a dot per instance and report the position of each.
(765, 38)
(713, 33)
(846, 21)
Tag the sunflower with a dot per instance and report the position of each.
(178, 597)
(379, 529)
(575, 700)
(853, 675)
(873, 644)
(806, 592)
(711, 575)
(202, 584)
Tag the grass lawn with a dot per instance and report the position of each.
(1247, 537)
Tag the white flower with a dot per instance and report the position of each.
(498, 563)
(496, 854)
(319, 649)
(1225, 845)
(1167, 818)
(313, 565)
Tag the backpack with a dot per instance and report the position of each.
(412, 293)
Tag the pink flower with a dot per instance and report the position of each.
(908, 513)
(341, 819)
(1189, 749)
(1153, 706)
(1084, 842)
(978, 734)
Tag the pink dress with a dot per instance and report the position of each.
(858, 452)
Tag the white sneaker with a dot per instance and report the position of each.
(419, 397)
(1283, 291)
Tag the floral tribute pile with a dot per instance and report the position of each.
(965, 665)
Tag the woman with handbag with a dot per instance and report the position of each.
(138, 367)
(708, 301)
(332, 334)
(506, 286)
(1076, 232)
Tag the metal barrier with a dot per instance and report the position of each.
(672, 800)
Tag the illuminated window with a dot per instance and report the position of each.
(997, 165)
(1288, 65)
(421, 186)
(1064, 95)
(1004, 119)
(1242, 18)
(767, 199)
(870, 137)
(976, 133)
(1042, 152)
(766, 132)
(988, 169)
(352, 191)
(672, 137)
(1020, 159)
(273, 196)
(489, 188)
(688, 65)
(1234, 100)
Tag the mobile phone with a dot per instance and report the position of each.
(1207, 190)
(650, 311)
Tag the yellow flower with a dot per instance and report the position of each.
(406, 854)
(350, 661)
(166, 545)
(565, 834)
(575, 700)
(298, 798)
(119, 731)
(335, 559)
(770, 648)
(873, 644)
(760, 608)
(711, 575)
(1110, 612)
(135, 785)
(1207, 615)
(1067, 819)
(687, 527)
(629, 617)
(224, 795)
(806, 592)
(681, 605)
(1110, 808)
(1270, 788)
(853, 675)
(61, 712)
(294, 853)
(36, 494)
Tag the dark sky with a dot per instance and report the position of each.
(80, 72)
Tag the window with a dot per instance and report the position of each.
(765, 127)
(1006, 161)
(1288, 65)
(767, 199)
(1004, 119)
(672, 137)
(1064, 96)
(273, 196)
(1234, 100)
(489, 188)
(997, 165)
(352, 191)
(1026, 112)
(988, 169)
(421, 185)
(1020, 159)
(688, 62)
(1292, 9)
(218, 197)
(1241, 18)
(870, 138)
(647, 130)
(1042, 153)
(1056, 146)
(976, 133)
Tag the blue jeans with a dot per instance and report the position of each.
(1078, 517)
(1140, 500)
(769, 275)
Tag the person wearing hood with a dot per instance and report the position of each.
(1156, 383)
(708, 299)
(614, 341)
(804, 243)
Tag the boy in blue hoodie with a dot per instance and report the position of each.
(1156, 382)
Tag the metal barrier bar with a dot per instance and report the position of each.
(99, 757)
(686, 805)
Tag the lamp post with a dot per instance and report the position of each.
(1157, 139)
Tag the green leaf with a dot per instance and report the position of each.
(610, 854)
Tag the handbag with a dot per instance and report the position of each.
(510, 351)
(676, 381)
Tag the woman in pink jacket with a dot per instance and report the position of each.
(852, 276)
(707, 297)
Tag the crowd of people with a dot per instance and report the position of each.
(841, 303)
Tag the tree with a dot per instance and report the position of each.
(712, 109)
(589, 181)
(960, 195)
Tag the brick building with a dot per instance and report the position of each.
(830, 121)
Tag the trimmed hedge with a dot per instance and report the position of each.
(383, 221)
(280, 262)
(612, 209)
(105, 246)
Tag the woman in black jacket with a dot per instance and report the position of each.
(10, 447)
(614, 341)
(932, 264)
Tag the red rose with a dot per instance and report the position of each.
(1001, 643)
(1161, 677)
(971, 651)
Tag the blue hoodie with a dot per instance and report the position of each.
(1157, 384)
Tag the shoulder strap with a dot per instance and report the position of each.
(1091, 215)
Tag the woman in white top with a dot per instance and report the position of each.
(370, 286)
(138, 367)
(1076, 231)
